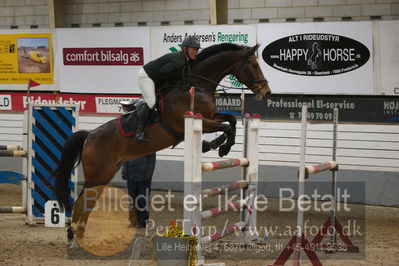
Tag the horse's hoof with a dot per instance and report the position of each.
(69, 234)
(218, 141)
(206, 146)
(73, 244)
(224, 150)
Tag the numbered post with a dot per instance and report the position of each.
(53, 217)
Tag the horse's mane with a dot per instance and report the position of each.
(217, 48)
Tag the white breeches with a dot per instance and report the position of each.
(147, 87)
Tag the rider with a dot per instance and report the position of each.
(166, 69)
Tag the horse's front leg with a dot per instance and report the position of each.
(214, 144)
(210, 126)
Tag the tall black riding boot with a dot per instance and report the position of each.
(143, 115)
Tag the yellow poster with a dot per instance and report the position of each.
(24, 57)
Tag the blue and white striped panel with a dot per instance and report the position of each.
(51, 126)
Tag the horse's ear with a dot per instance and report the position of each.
(254, 49)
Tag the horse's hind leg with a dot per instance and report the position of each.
(85, 204)
(96, 174)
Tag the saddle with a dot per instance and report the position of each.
(128, 121)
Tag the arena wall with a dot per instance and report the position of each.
(110, 13)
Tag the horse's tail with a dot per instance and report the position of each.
(70, 158)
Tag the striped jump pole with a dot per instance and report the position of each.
(13, 153)
(193, 169)
(332, 225)
(12, 209)
(16, 178)
(222, 233)
(212, 166)
(10, 147)
(11, 177)
(318, 168)
(299, 240)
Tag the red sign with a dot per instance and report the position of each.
(88, 103)
(115, 56)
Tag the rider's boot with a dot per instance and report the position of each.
(143, 115)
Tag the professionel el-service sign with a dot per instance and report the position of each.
(168, 39)
(318, 58)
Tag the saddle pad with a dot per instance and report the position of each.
(128, 123)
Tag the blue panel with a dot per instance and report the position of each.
(57, 120)
(39, 185)
(39, 134)
(11, 177)
(71, 185)
(46, 125)
(68, 115)
(36, 197)
(38, 167)
(50, 138)
(38, 151)
(36, 212)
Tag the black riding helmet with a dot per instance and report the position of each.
(191, 42)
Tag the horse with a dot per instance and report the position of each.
(103, 150)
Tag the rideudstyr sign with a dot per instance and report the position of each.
(317, 58)
(316, 54)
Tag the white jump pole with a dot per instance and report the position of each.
(301, 185)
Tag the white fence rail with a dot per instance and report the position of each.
(360, 146)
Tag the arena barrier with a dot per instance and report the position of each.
(46, 128)
(193, 169)
(299, 240)
(12, 151)
(12, 177)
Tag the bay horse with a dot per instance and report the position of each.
(103, 150)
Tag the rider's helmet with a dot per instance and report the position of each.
(191, 42)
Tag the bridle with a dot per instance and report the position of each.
(243, 67)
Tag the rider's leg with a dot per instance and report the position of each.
(147, 88)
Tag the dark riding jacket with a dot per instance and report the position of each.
(141, 169)
(168, 69)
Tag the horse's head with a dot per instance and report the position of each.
(250, 73)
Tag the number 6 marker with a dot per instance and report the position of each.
(53, 217)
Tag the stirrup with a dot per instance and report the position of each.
(140, 137)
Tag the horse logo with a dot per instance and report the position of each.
(316, 52)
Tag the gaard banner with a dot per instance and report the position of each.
(24, 57)
(101, 60)
(318, 58)
(168, 39)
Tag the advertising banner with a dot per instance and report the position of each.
(352, 109)
(24, 57)
(88, 103)
(168, 39)
(318, 58)
(102, 60)
(388, 59)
